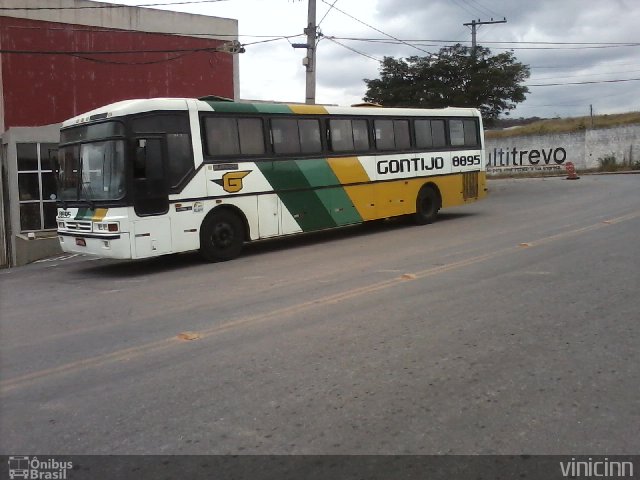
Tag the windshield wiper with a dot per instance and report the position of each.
(88, 193)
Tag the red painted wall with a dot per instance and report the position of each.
(40, 89)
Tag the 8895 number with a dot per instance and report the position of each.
(465, 161)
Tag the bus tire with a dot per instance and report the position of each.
(427, 205)
(221, 236)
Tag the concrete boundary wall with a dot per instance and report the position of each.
(550, 152)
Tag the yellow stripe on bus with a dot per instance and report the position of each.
(99, 214)
(308, 109)
(349, 170)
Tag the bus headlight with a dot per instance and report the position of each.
(107, 227)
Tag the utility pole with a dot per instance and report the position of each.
(310, 60)
(474, 24)
(311, 31)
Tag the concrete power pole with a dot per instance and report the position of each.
(310, 59)
(474, 24)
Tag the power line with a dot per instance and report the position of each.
(352, 49)
(115, 62)
(110, 6)
(327, 12)
(486, 9)
(587, 75)
(440, 41)
(118, 30)
(113, 52)
(583, 83)
(534, 67)
(376, 29)
(462, 6)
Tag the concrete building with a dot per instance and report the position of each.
(59, 58)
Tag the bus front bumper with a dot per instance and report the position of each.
(116, 245)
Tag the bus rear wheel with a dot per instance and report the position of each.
(427, 206)
(221, 236)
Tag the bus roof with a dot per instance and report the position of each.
(128, 107)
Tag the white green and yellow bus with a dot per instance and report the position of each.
(149, 177)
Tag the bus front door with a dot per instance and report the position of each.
(152, 231)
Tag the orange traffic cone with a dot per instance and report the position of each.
(571, 171)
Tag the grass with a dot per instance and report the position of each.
(567, 125)
(608, 163)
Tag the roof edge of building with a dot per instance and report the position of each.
(122, 17)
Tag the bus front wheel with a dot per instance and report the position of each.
(221, 236)
(427, 206)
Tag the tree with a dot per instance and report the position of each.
(457, 77)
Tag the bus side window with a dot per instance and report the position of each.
(429, 133)
(175, 129)
(424, 138)
(437, 130)
(385, 138)
(251, 136)
(470, 133)
(360, 135)
(140, 162)
(222, 136)
(310, 136)
(341, 135)
(401, 134)
(286, 138)
(456, 132)
(148, 161)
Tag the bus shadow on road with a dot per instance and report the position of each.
(167, 263)
(137, 268)
(342, 233)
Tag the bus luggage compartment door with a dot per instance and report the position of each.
(152, 237)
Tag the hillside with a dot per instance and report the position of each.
(565, 125)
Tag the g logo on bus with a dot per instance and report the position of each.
(232, 181)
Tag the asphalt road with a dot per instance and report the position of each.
(510, 326)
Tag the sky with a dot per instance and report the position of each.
(566, 42)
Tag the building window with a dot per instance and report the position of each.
(36, 186)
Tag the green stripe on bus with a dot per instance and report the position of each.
(297, 195)
(284, 175)
(270, 108)
(84, 214)
(307, 209)
(233, 107)
(339, 205)
(319, 174)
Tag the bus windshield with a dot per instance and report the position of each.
(92, 171)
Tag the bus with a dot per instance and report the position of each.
(149, 177)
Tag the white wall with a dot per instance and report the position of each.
(551, 152)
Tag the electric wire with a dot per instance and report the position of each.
(327, 12)
(376, 29)
(590, 82)
(353, 49)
